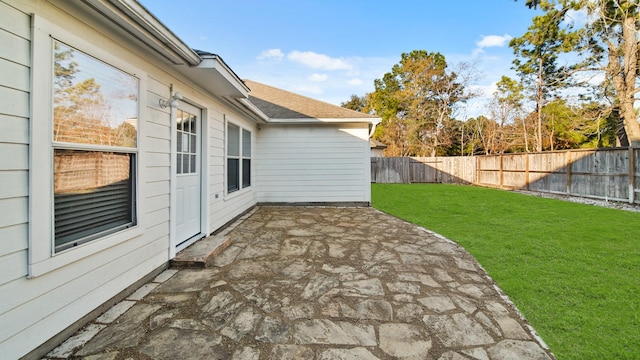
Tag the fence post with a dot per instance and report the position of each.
(406, 173)
(632, 175)
(526, 170)
(477, 174)
(568, 171)
(501, 173)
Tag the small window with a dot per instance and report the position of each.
(246, 158)
(95, 122)
(238, 158)
(187, 143)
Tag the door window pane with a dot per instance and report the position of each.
(186, 142)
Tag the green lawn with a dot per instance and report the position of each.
(573, 270)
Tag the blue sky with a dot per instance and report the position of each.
(331, 49)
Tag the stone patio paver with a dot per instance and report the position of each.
(317, 283)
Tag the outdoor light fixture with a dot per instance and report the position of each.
(172, 101)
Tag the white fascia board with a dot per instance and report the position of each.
(144, 26)
(326, 121)
(214, 62)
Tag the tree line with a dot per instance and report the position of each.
(588, 102)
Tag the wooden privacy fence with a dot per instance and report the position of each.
(611, 174)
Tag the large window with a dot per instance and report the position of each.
(95, 140)
(238, 158)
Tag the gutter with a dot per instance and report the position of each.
(374, 123)
(136, 20)
(310, 120)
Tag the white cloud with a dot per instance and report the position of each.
(318, 77)
(578, 18)
(494, 41)
(275, 54)
(338, 86)
(318, 61)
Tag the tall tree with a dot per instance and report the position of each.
(357, 103)
(610, 37)
(537, 53)
(415, 101)
(615, 26)
(506, 109)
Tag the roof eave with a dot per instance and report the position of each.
(246, 106)
(135, 19)
(207, 70)
(214, 75)
(373, 121)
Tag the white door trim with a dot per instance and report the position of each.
(175, 244)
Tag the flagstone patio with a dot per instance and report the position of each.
(315, 283)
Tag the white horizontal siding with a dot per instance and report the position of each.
(63, 304)
(14, 21)
(14, 184)
(13, 238)
(15, 30)
(33, 310)
(14, 102)
(15, 59)
(14, 75)
(14, 212)
(312, 164)
(14, 47)
(15, 130)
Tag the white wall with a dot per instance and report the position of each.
(313, 163)
(32, 310)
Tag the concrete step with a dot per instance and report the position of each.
(201, 253)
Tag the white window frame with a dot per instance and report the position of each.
(42, 255)
(240, 158)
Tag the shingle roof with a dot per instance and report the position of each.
(281, 104)
(375, 144)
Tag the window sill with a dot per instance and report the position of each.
(80, 252)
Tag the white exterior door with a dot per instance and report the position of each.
(188, 173)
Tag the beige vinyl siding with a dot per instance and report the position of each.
(15, 60)
(156, 162)
(321, 163)
(34, 310)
